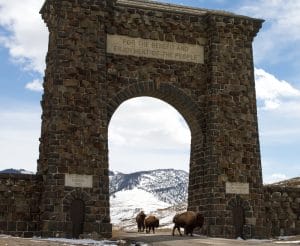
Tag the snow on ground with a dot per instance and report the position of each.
(88, 242)
(288, 242)
(22, 171)
(166, 215)
(125, 205)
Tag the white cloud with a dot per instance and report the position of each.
(35, 85)
(26, 36)
(279, 33)
(279, 121)
(278, 110)
(272, 91)
(148, 119)
(146, 133)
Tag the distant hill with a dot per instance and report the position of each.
(168, 185)
(21, 171)
(293, 182)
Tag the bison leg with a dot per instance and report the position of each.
(173, 230)
(189, 230)
(178, 228)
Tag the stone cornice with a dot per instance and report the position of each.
(162, 6)
(174, 8)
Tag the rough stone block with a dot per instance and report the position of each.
(11, 226)
(3, 226)
(21, 226)
(71, 82)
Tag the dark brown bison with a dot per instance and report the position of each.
(189, 221)
(140, 221)
(150, 223)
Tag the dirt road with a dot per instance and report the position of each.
(142, 239)
(165, 239)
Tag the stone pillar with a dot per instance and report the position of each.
(233, 154)
(74, 121)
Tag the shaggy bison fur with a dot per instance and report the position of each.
(140, 218)
(151, 222)
(189, 221)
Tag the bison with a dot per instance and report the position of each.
(189, 221)
(150, 223)
(140, 221)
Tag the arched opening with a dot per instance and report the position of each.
(149, 159)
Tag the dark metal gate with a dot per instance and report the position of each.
(77, 212)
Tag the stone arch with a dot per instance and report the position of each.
(73, 195)
(183, 103)
(190, 111)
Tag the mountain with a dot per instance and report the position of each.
(20, 171)
(167, 185)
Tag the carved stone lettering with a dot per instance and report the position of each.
(237, 188)
(124, 45)
(76, 180)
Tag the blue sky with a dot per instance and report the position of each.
(159, 134)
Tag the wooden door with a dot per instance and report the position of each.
(238, 217)
(77, 212)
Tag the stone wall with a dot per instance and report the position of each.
(19, 204)
(282, 210)
(20, 213)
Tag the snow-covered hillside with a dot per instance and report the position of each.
(159, 192)
(167, 185)
(126, 204)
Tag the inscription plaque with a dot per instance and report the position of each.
(76, 180)
(124, 45)
(237, 188)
